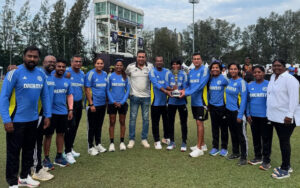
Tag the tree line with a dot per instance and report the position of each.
(276, 36)
(58, 31)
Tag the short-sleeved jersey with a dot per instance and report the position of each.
(62, 89)
(216, 90)
(117, 89)
(77, 82)
(182, 83)
(98, 83)
(158, 80)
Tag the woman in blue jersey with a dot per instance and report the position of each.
(262, 131)
(177, 79)
(216, 86)
(118, 89)
(95, 91)
(236, 101)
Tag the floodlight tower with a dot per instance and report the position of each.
(194, 2)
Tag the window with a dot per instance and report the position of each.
(126, 14)
(140, 19)
(100, 8)
(113, 9)
(133, 17)
(120, 12)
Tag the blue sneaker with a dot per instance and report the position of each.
(171, 146)
(47, 163)
(61, 162)
(214, 152)
(224, 152)
(183, 147)
(280, 174)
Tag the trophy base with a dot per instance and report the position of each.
(175, 93)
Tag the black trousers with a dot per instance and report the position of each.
(156, 112)
(22, 138)
(218, 123)
(73, 126)
(37, 154)
(262, 134)
(95, 122)
(183, 114)
(238, 134)
(284, 133)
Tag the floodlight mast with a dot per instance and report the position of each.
(194, 2)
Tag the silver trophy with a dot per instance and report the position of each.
(175, 92)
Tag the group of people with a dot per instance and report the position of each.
(36, 102)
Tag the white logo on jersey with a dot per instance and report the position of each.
(66, 84)
(96, 80)
(72, 78)
(39, 78)
(219, 82)
(235, 84)
(198, 74)
(252, 89)
(82, 80)
(265, 88)
(24, 78)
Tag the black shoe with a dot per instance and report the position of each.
(242, 162)
(233, 156)
(265, 166)
(255, 161)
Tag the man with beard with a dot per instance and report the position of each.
(41, 173)
(21, 91)
(60, 114)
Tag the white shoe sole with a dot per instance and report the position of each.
(60, 164)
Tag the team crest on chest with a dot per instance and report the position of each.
(235, 84)
(66, 84)
(264, 88)
(219, 82)
(39, 78)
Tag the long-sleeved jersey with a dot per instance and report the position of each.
(158, 80)
(118, 89)
(216, 90)
(77, 81)
(257, 99)
(182, 83)
(197, 79)
(235, 89)
(62, 89)
(21, 91)
(98, 83)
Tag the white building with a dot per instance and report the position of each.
(118, 27)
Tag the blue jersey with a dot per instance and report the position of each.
(257, 99)
(216, 90)
(118, 89)
(20, 94)
(158, 80)
(182, 83)
(98, 83)
(77, 81)
(197, 79)
(50, 84)
(62, 89)
(236, 89)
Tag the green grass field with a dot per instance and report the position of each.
(140, 167)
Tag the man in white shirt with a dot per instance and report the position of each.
(282, 100)
(138, 74)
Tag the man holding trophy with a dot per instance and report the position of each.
(177, 80)
(159, 94)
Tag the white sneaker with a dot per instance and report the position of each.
(100, 148)
(46, 168)
(157, 145)
(166, 141)
(70, 159)
(145, 144)
(111, 147)
(196, 153)
(192, 148)
(130, 144)
(122, 146)
(28, 182)
(42, 175)
(204, 147)
(75, 154)
(93, 151)
(13, 186)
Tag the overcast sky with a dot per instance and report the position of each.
(178, 13)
